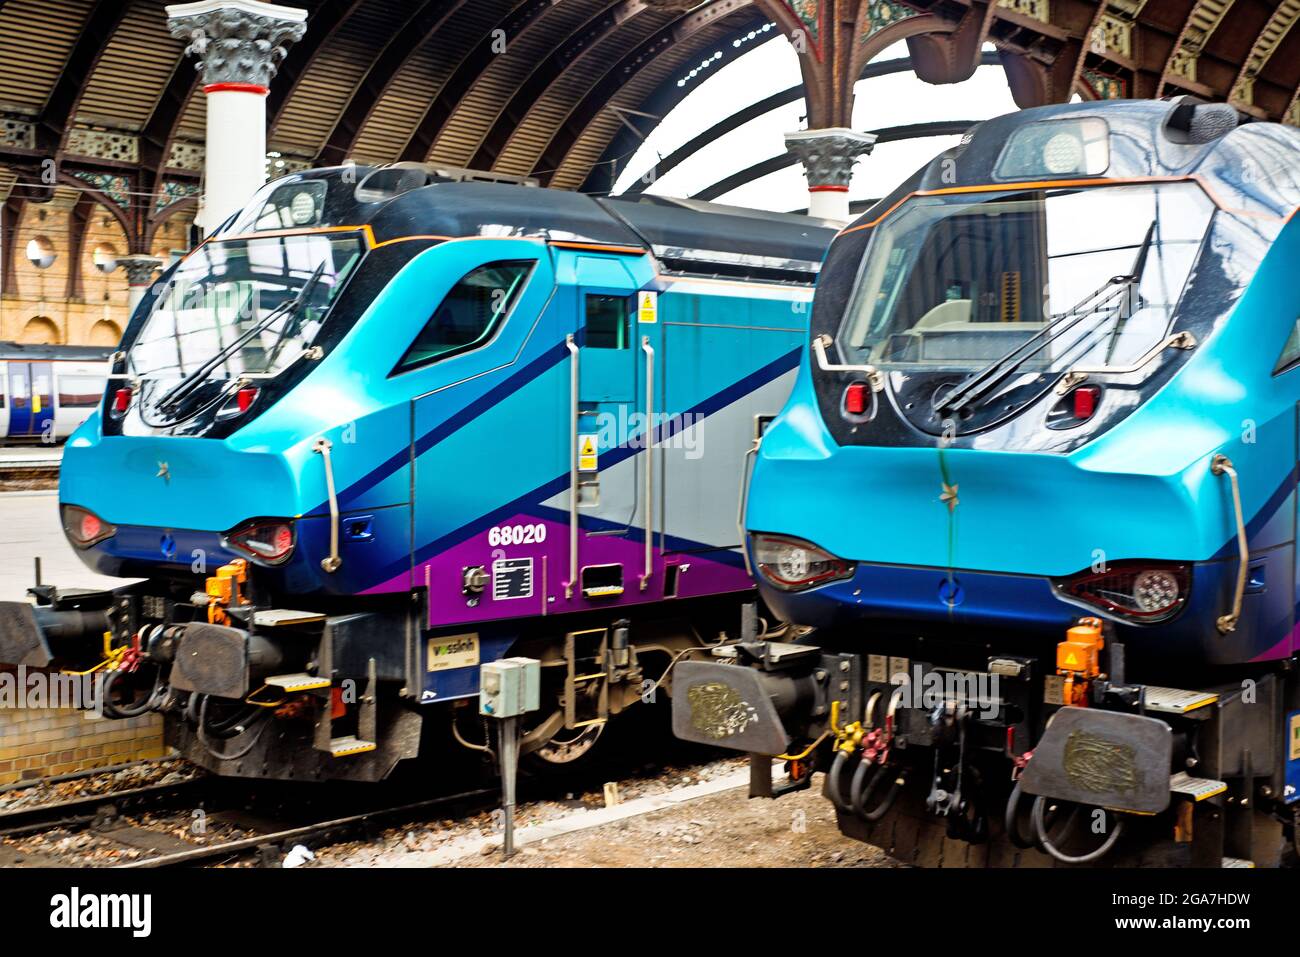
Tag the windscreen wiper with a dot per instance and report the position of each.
(1120, 287)
(192, 381)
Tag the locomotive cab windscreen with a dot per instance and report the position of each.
(976, 303)
(236, 312)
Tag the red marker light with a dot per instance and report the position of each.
(121, 400)
(84, 528)
(1085, 401)
(245, 397)
(857, 397)
(270, 542)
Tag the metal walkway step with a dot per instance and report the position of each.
(349, 745)
(280, 617)
(1175, 700)
(298, 682)
(1198, 789)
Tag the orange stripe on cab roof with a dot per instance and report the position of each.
(1091, 182)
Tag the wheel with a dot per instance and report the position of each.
(569, 749)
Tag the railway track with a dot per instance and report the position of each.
(269, 845)
(256, 823)
(87, 809)
(23, 467)
(256, 812)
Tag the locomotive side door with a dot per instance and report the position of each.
(30, 406)
(607, 389)
(4, 399)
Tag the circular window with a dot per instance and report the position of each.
(105, 257)
(40, 252)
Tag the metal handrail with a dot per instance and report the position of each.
(742, 503)
(573, 465)
(1222, 465)
(333, 562)
(819, 345)
(649, 459)
(1179, 340)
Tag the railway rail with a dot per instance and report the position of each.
(26, 467)
(266, 820)
(255, 822)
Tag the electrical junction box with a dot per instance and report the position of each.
(510, 687)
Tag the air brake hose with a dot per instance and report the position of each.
(252, 741)
(148, 703)
(1040, 829)
(834, 779)
(860, 799)
(1011, 818)
(859, 789)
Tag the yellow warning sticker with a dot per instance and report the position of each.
(647, 307)
(587, 453)
(1295, 737)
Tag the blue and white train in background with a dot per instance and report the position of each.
(1035, 495)
(388, 424)
(46, 392)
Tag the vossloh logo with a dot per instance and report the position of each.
(102, 911)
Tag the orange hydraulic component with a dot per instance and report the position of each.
(224, 589)
(1078, 659)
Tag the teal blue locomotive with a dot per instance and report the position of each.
(388, 424)
(1033, 502)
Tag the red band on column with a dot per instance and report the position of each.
(828, 189)
(236, 88)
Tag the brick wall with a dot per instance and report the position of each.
(41, 742)
(38, 306)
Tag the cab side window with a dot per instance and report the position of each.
(607, 322)
(470, 313)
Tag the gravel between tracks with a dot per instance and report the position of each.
(720, 830)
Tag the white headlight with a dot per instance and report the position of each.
(791, 564)
(1063, 153)
(1155, 590)
(303, 208)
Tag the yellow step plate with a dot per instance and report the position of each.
(1175, 700)
(278, 617)
(1198, 789)
(298, 682)
(350, 745)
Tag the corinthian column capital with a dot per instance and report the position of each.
(828, 155)
(237, 41)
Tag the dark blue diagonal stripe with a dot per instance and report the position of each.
(453, 423)
(719, 400)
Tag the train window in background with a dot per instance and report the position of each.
(470, 313)
(80, 392)
(607, 322)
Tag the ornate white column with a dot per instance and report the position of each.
(238, 45)
(139, 271)
(828, 157)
